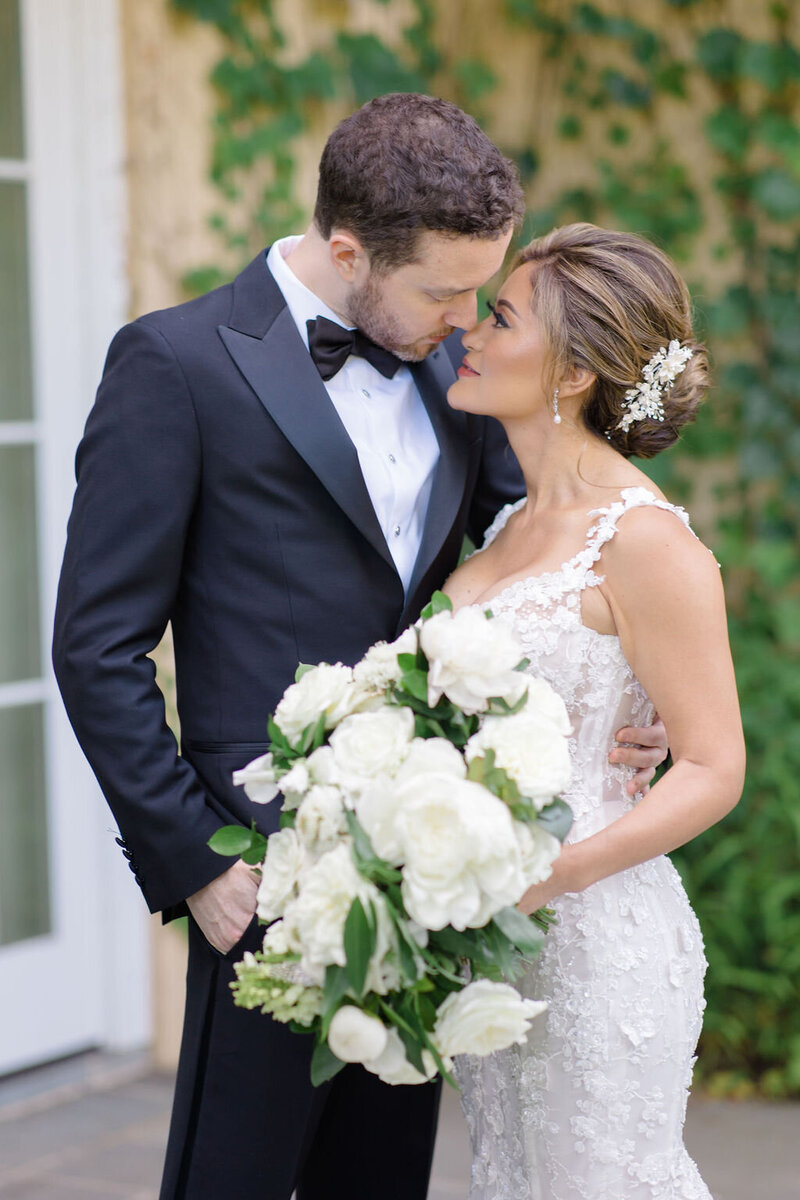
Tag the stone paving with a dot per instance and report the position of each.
(104, 1140)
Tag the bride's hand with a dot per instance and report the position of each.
(643, 749)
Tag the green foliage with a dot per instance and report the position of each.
(743, 876)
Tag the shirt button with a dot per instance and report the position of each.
(392, 458)
(396, 531)
(365, 394)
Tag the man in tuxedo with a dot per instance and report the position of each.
(274, 469)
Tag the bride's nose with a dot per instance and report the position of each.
(470, 340)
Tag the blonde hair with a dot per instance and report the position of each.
(608, 301)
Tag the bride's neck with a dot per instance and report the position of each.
(562, 464)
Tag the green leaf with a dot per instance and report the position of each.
(361, 842)
(416, 683)
(230, 840)
(719, 51)
(520, 930)
(501, 949)
(335, 989)
(728, 129)
(302, 669)
(359, 944)
(778, 193)
(256, 851)
(557, 818)
(324, 1064)
(438, 602)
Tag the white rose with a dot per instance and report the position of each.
(392, 1066)
(324, 689)
(315, 920)
(539, 851)
(426, 755)
(368, 744)
(482, 1018)
(258, 780)
(530, 748)
(280, 874)
(275, 939)
(379, 668)
(295, 783)
(471, 659)
(462, 859)
(355, 1036)
(321, 821)
(322, 766)
(376, 806)
(545, 700)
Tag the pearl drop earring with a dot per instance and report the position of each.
(556, 413)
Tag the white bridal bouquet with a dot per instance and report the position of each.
(419, 804)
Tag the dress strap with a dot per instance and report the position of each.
(500, 521)
(606, 526)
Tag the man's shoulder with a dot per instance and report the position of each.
(202, 312)
(250, 302)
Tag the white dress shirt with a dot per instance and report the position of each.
(385, 419)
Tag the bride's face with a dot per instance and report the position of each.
(505, 362)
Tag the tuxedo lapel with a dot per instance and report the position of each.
(433, 377)
(279, 369)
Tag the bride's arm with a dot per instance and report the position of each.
(664, 590)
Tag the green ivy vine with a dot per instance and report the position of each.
(738, 205)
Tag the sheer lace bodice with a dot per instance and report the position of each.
(592, 1106)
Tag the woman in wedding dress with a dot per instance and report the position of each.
(588, 358)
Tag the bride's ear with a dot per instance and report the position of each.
(576, 381)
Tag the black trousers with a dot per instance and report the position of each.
(247, 1123)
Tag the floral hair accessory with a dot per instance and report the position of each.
(644, 402)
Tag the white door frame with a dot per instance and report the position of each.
(98, 949)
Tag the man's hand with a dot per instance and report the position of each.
(641, 748)
(224, 908)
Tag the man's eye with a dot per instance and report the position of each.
(499, 319)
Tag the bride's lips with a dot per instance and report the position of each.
(465, 371)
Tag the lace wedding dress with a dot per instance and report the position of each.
(592, 1106)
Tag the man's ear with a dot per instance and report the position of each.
(348, 257)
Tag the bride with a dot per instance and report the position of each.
(588, 357)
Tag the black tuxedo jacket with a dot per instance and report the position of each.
(218, 489)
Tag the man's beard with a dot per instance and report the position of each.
(367, 310)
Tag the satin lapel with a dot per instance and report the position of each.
(433, 377)
(279, 370)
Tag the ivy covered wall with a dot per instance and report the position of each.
(679, 119)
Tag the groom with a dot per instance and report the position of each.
(274, 469)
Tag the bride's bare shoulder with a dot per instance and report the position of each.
(655, 558)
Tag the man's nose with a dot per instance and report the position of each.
(463, 312)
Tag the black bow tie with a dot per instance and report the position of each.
(330, 345)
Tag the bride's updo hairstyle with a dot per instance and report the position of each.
(608, 302)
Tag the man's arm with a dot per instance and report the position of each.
(138, 471)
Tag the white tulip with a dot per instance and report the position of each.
(354, 1036)
(484, 1017)
(392, 1066)
(258, 780)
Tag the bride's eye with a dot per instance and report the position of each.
(499, 320)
